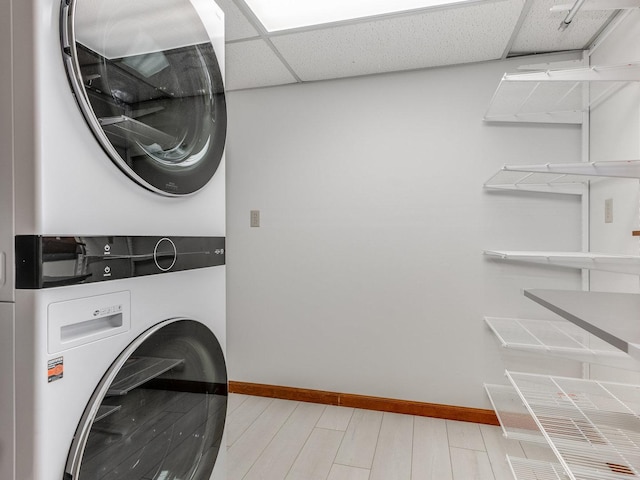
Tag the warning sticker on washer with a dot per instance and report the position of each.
(55, 369)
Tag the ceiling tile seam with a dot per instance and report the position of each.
(250, 16)
(362, 20)
(264, 35)
(518, 27)
(607, 28)
(401, 71)
(283, 60)
(546, 52)
(361, 75)
(600, 30)
(242, 40)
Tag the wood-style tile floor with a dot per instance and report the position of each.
(272, 439)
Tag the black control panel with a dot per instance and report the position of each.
(56, 261)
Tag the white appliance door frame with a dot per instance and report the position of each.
(150, 86)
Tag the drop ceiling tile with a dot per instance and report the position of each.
(432, 38)
(253, 64)
(539, 32)
(237, 26)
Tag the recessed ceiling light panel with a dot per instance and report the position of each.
(278, 15)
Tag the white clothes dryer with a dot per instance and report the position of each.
(112, 117)
(121, 378)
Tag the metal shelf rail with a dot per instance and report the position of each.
(607, 262)
(556, 96)
(557, 338)
(538, 182)
(567, 178)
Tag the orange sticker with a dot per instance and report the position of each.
(55, 369)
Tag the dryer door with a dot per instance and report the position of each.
(159, 411)
(148, 81)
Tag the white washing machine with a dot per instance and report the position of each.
(112, 123)
(118, 379)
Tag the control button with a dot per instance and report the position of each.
(165, 254)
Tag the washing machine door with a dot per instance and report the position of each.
(159, 411)
(149, 83)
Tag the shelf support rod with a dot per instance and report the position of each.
(526, 100)
(540, 342)
(556, 179)
(575, 85)
(523, 178)
(566, 335)
(609, 91)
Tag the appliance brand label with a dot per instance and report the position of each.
(103, 312)
(55, 369)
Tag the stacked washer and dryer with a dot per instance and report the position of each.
(112, 240)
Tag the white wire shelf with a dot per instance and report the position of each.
(592, 427)
(629, 264)
(543, 182)
(558, 338)
(557, 96)
(569, 178)
(515, 420)
(610, 168)
(612, 317)
(527, 469)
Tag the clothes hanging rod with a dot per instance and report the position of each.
(572, 13)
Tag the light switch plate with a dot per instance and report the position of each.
(255, 218)
(608, 210)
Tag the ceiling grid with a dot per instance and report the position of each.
(481, 30)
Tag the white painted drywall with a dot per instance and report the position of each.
(366, 274)
(615, 135)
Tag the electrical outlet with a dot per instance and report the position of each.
(255, 218)
(608, 210)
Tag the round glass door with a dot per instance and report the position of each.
(159, 412)
(147, 79)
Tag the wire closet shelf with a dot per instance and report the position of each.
(566, 178)
(592, 427)
(557, 338)
(557, 96)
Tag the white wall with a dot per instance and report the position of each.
(615, 135)
(366, 275)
